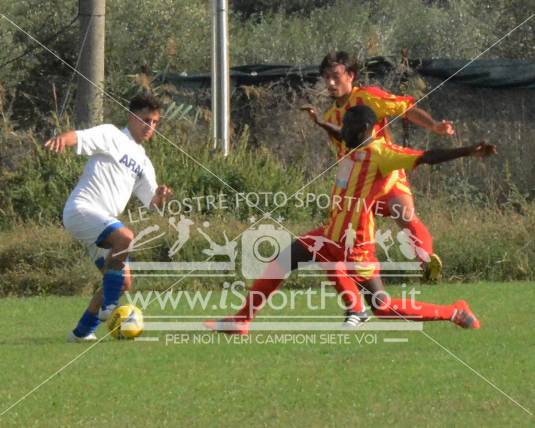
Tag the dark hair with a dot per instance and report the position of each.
(357, 121)
(141, 101)
(360, 116)
(338, 57)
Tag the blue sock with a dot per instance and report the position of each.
(87, 324)
(112, 285)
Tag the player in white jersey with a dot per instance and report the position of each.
(117, 168)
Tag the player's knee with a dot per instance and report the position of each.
(122, 241)
(126, 236)
(117, 263)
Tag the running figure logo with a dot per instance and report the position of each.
(229, 249)
(319, 242)
(183, 229)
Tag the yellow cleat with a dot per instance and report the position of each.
(433, 269)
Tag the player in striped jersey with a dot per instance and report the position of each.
(339, 72)
(362, 181)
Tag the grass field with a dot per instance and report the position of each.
(418, 383)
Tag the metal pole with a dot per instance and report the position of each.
(214, 73)
(89, 99)
(220, 75)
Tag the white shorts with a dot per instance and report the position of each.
(91, 227)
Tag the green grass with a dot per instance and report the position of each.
(151, 384)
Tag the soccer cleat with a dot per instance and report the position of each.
(433, 269)
(464, 317)
(228, 325)
(104, 313)
(355, 319)
(71, 337)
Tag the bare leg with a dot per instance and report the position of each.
(119, 242)
(116, 279)
(115, 274)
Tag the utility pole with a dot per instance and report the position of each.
(92, 33)
(220, 75)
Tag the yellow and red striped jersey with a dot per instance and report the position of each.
(384, 105)
(363, 177)
(381, 102)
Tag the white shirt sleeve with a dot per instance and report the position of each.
(146, 185)
(100, 139)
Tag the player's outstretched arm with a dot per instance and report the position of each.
(332, 130)
(162, 194)
(481, 150)
(59, 142)
(422, 118)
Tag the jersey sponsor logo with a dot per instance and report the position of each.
(132, 165)
(344, 172)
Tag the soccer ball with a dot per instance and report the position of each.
(126, 322)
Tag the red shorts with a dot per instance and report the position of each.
(358, 262)
(382, 203)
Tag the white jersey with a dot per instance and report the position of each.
(117, 167)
